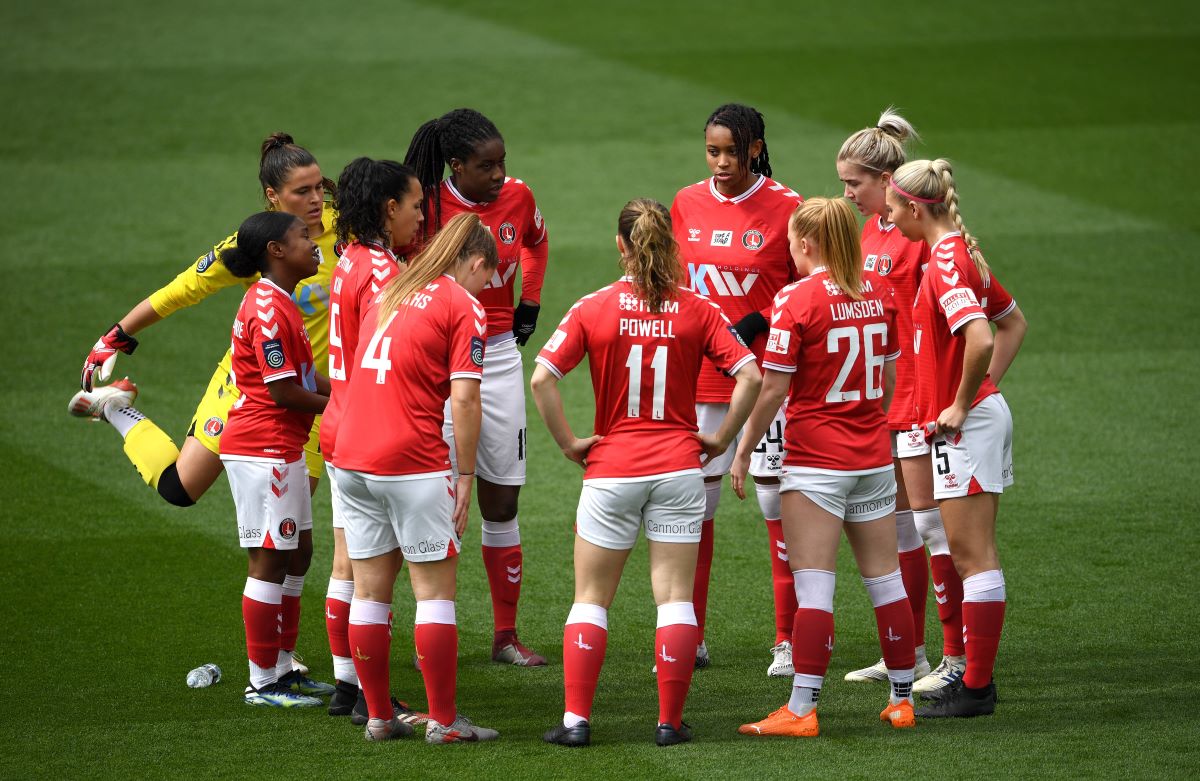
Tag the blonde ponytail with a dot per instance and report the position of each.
(831, 224)
(931, 182)
(652, 256)
(463, 238)
(880, 148)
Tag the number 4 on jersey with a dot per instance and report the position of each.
(376, 356)
(659, 365)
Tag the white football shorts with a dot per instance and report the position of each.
(767, 459)
(500, 457)
(669, 507)
(854, 497)
(909, 443)
(335, 498)
(979, 459)
(411, 512)
(272, 501)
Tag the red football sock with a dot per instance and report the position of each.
(700, 587)
(812, 641)
(982, 622)
(262, 631)
(503, 567)
(337, 626)
(675, 651)
(894, 621)
(782, 582)
(437, 648)
(914, 571)
(290, 628)
(948, 591)
(584, 645)
(370, 638)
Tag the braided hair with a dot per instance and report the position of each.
(454, 135)
(747, 126)
(934, 179)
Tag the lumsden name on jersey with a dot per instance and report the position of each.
(853, 310)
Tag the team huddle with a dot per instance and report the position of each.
(851, 373)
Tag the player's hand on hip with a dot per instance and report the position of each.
(951, 420)
(577, 451)
(102, 359)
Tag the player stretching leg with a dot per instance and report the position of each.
(468, 144)
(959, 365)
(732, 234)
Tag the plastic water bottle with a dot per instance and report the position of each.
(204, 675)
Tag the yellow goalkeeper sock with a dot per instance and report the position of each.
(150, 450)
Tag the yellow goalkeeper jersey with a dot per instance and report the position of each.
(208, 275)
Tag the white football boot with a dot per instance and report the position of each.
(94, 403)
(781, 664)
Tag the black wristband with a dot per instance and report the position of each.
(750, 326)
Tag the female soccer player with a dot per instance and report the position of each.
(470, 145)
(293, 184)
(262, 447)
(645, 337)
(959, 365)
(831, 353)
(398, 499)
(865, 164)
(732, 234)
(379, 207)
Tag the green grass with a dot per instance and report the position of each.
(129, 142)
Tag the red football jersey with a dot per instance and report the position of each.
(834, 347)
(270, 344)
(644, 367)
(361, 272)
(902, 264)
(951, 295)
(735, 251)
(516, 223)
(392, 418)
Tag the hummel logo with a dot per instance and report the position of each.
(262, 301)
(891, 636)
(663, 654)
(951, 281)
(358, 654)
(329, 614)
(268, 315)
(939, 593)
(948, 266)
(947, 255)
(829, 644)
(582, 645)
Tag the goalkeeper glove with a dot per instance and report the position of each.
(750, 326)
(525, 321)
(103, 356)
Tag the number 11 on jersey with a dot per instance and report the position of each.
(658, 363)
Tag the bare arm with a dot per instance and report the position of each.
(775, 387)
(748, 384)
(466, 414)
(1010, 333)
(544, 385)
(889, 384)
(289, 394)
(140, 317)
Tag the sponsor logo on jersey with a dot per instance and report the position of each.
(752, 240)
(694, 234)
(249, 534)
(537, 218)
(206, 262)
(507, 233)
(214, 426)
(957, 299)
(869, 263)
(778, 341)
(831, 287)
(708, 280)
(477, 351)
(556, 340)
(502, 275)
(722, 239)
(273, 353)
(287, 528)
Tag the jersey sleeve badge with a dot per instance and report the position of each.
(273, 353)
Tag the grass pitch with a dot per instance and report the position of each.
(129, 141)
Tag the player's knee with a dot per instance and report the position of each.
(499, 509)
(171, 489)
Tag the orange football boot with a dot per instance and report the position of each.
(784, 722)
(899, 715)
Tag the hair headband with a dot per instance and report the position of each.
(910, 196)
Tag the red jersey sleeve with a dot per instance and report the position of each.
(567, 345)
(782, 353)
(951, 284)
(996, 300)
(468, 333)
(722, 345)
(535, 251)
(271, 347)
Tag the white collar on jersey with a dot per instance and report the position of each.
(712, 188)
(816, 271)
(454, 191)
(949, 235)
(277, 287)
(886, 227)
